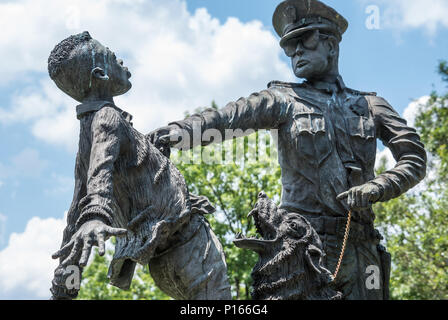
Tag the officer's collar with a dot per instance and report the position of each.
(328, 87)
(94, 106)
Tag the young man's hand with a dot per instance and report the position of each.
(361, 197)
(91, 233)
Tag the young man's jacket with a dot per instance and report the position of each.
(121, 178)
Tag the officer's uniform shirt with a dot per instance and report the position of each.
(327, 142)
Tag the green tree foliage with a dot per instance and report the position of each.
(414, 228)
(95, 284)
(414, 225)
(432, 123)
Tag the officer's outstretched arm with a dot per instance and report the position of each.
(264, 110)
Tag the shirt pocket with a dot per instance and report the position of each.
(362, 133)
(311, 136)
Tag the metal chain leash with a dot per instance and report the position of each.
(344, 244)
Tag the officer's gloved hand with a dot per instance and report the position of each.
(361, 197)
(168, 135)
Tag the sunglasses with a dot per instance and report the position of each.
(308, 40)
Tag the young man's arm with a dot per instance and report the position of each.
(264, 110)
(93, 226)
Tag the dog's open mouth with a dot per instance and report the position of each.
(264, 228)
(254, 244)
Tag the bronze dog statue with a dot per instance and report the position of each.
(290, 256)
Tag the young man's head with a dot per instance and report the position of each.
(83, 68)
(310, 33)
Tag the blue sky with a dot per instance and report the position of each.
(182, 56)
(397, 63)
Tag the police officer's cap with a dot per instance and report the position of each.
(294, 17)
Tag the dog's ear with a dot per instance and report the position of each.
(313, 256)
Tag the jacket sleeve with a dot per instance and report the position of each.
(406, 147)
(107, 135)
(263, 110)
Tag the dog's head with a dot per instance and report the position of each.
(290, 255)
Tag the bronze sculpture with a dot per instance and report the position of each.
(290, 256)
(126, 187)
(327, 144)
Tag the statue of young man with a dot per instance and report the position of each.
(327, 145)
(126, 187)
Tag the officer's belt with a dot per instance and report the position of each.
(325, 225)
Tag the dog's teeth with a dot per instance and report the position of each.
(251, 214)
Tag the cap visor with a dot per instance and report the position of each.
(297, 32)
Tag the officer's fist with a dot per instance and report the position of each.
(361, 197)
(169, 135)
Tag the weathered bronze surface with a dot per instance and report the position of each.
(126, 187)
(327, 143)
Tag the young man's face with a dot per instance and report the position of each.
(118, 74)
(309, 55)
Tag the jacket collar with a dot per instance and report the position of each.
(94, 106)
(88, 107)
(328, 87)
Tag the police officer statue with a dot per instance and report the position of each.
(327, 145)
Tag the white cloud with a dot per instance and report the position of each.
(179, 60)
(49, 112)
(26, 266)
(387, 154)
(409, 114)
(413, 109)
(27, 163)
(423, 186)
(413, 14)
(60, 185)
(3, 220)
